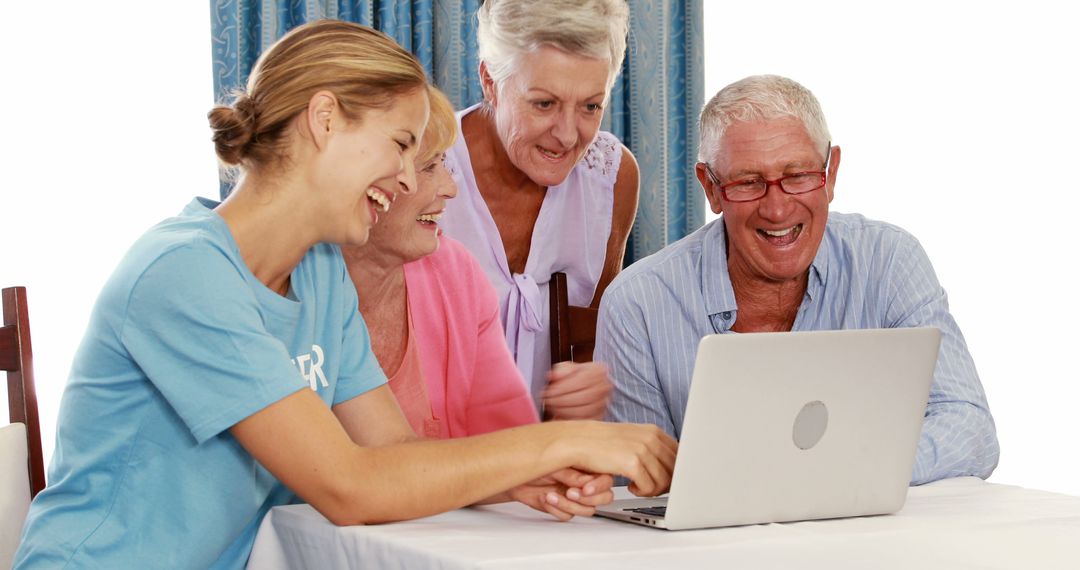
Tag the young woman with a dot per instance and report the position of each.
(226, 366)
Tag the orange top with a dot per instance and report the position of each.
(409, 388)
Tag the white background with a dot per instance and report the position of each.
(105, 134)
(958, 121)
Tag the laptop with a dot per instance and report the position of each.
(795, 426)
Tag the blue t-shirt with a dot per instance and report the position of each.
(183, 343)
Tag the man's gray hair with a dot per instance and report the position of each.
(590, 28)
(759, 98)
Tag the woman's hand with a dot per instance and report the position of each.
(643, 453)
(577, 391)
(566, 493)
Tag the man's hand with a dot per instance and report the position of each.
(566, 493)
(577, 391)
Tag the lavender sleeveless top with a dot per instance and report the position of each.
(570, 235)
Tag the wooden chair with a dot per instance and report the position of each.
(16, 358)
(573, 329)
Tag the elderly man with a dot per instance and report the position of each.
(778, 260)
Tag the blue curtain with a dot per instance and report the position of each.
(654, 110)
(442, 34)
(654, 105)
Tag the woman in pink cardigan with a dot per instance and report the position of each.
(434, 322)
(433, 315)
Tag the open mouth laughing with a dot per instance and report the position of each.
(381, 199)
(432, 218)
(551, 154)
(781, 237)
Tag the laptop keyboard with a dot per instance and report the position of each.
(651, 511)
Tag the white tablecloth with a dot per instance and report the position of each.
(957, 523)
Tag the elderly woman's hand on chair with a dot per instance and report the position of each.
(577, 391)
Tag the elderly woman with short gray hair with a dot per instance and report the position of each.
(542, 188)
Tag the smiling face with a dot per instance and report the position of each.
(548, 112)
(369, 162)
(773, 239)
(410, 229)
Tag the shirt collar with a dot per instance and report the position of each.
(714, 270)
(715, 281)
(819, 268)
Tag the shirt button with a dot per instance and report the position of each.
(726, 315)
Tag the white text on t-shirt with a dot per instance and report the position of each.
(310, 366)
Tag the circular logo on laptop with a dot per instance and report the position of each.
(810, 424)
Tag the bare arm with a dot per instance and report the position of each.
(301, 442)
(564, 494)
(623, 212)
(392, 427)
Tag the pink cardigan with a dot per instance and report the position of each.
(473, 384)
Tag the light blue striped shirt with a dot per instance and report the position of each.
(866, 274)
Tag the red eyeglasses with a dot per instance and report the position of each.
(755, 188)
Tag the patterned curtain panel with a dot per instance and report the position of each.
(654, 105)
(442, 34)
(654, 110)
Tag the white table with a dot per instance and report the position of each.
(956, 523)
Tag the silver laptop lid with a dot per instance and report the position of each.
(798, 426)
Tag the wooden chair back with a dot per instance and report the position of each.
(573, 329)
(16, 358)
